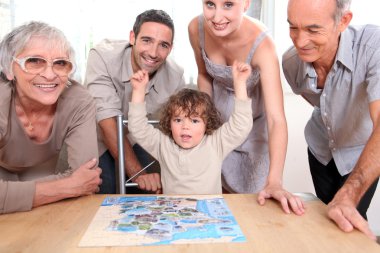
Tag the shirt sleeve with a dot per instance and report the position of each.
(233, 133)
(141, 131)
(99, 82)
(81, 139)
(5, 98)
(16, 196)
(373, 72)
(181, 84)
(290, 68)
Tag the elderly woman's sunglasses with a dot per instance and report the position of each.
(36, 65)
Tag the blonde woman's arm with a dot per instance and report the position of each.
(266, 60)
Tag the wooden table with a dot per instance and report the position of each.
(59, 227)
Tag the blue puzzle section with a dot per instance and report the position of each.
(170, 219)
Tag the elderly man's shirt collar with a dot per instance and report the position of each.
(345, 50)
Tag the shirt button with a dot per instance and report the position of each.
(334, 149)
(332, 141)
(328, 128)
(325, 113)
(324, 94)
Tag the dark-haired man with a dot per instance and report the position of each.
(109, 68)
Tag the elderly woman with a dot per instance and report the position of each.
(41, 109)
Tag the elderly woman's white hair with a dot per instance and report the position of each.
(17, 40)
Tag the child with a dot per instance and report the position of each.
(191, 145)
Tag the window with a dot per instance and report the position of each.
(87, 22)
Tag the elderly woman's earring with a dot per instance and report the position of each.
(68, 84)
(13, 82)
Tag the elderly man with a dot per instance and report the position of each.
(336, 68)
(110, 67)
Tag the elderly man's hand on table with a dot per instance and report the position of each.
(342, 211)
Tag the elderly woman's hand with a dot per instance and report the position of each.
(86, 179)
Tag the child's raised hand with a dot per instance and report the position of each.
(240, 73)
(139, 81)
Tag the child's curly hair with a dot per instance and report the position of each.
(192, 103)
